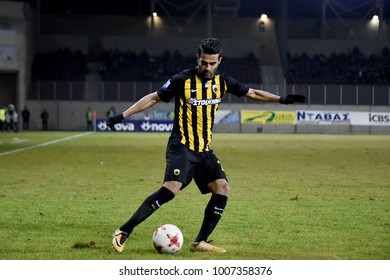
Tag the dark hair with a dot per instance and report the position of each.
(210, 46)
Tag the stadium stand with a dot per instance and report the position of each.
(129, 66)
(62, 64)
(343, 68)
(243, 69)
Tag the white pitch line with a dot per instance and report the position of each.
(45, 144)
(18, 141)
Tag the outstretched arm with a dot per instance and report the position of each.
(262, 95)
(141, 105)
(265, 96)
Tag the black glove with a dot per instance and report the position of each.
(292, 98)
(114, 120)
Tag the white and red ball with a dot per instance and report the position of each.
(167, 239)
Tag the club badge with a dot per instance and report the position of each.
(215, 88)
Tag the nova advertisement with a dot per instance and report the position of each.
(268, 117)
(137, 126)
(162, 121)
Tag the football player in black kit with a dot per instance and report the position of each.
(197, 93)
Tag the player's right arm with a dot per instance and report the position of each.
(141, 105)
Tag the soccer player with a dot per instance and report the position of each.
(197, 93)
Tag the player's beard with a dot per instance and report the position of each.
(205, 74)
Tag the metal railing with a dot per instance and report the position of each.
(356, 95)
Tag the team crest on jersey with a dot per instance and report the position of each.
(215, 88)
(176, 172)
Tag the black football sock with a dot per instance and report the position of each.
(147, 208)
(212, 215)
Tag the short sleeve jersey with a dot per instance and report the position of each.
(196, 104)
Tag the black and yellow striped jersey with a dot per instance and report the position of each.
(196, 104)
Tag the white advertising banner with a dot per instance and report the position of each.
(370, 118)
(343, 118)
(323, 117)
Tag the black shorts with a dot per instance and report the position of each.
(183, 165)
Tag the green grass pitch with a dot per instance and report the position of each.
(297, 197)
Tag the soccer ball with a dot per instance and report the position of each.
(167, 239)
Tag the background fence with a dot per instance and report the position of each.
(131, 91)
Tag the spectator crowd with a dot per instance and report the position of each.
(354, 67)
(344, 68)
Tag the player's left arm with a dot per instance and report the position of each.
(265, 96)
(262, 95)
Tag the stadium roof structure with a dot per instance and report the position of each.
(351, 9)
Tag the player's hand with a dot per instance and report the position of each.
(114, 120)
(292, 98)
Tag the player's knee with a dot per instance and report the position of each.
(173, 186)
(220, 186)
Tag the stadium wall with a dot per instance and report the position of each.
(17, 19)
(71, 116)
